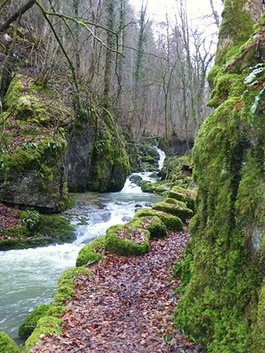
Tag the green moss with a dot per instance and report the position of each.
(89, 253)
(26, 329)
(32, 152)
(225, 86)
(155, 187)
(145, 212)
(7, 345)
(171, 222)
(109, 160)
(183, 268)
(46, 325)
(175, 209)
(258, 340)
(173, 170)
(16, 89)
(153, 224)
(37, 230)
(51, 322)
(120, 240)
(222, 305)
(185, 195)
(236, 27)
(213, 74)
(56, 227)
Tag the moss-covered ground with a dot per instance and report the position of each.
(27, 229)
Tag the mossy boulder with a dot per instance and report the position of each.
(7, 345)
(91, 253)
(153, 224)
(175, 208)
(143, 156)
(46, 325)
(171, 222)
(96, 158)
(32, 148)
(175, 171)
(126, 240)
(26, 329)
(186, 195)
(223, 302)
(157, 187)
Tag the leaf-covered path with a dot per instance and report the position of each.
(126, 306)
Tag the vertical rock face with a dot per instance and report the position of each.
(224, 301)
(32, 148)
(38, 162)
(96, 159)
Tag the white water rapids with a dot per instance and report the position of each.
(29, 277)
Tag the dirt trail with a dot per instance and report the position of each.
(126, 306)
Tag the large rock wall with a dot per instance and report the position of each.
(224, 303)
(96, 157)
(32, 147)
(40, 159)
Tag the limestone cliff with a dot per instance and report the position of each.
(224, 301)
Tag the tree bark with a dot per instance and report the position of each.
(17, 14)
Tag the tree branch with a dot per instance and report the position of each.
(85, 24)
(17, 14)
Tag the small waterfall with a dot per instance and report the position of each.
(162, 157)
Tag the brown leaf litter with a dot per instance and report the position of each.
(126, 306)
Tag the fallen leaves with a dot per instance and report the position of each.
(125, 306)
(8, 217)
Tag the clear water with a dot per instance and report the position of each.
(29, 277)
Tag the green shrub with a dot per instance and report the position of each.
(30, 218)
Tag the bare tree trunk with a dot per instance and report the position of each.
(109, 53)
(17, 14)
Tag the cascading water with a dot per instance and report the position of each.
(29, 277)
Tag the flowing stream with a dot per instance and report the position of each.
(29, 277)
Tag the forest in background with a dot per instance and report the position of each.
(152, 77)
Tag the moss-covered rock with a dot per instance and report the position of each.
(26, 329)
(143, 156)
(7, 345)
(160, 188)
(175, 208)
(153, 224)
(126, 240)
(51, 323)
(236, 27)
(178, 170)
(32, 148)
(186, 195)
(171, 222)
(223, 303)
(96, 158)
(91, 253)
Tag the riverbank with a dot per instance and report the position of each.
(126, 305)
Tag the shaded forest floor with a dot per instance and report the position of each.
(127, 306)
